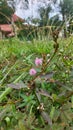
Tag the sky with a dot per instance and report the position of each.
(32, 10)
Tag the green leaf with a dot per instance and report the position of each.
(54, 96)
(52, 112)
(21, 125)
(57, 127)
(7, 119)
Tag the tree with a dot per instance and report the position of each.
(55, 22)
(5, 12)
(70, 26)
(44, 15)
(66, 9)
(15, 3)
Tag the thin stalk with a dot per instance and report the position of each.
(7, 73)
(46, 65)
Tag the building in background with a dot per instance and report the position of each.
(9, 30)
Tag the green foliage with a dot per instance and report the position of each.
(44, 14)
(5, 12)
(22, 101)
(55, 22)
(43, 101)
(66, 7)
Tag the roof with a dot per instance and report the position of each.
(15, 18)
(5, 27)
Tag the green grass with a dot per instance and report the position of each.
(18, 107)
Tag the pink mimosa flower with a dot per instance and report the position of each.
(38, 61)
(32, 71)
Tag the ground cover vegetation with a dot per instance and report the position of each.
(36, 74)
(36, 85)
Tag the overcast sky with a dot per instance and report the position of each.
(32, 10)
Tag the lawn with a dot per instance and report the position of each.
(40, 100)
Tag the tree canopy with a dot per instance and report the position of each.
(66, 7)
(44, 15)
(5, 12)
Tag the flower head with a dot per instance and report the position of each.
(38, 61)
(32, 71)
